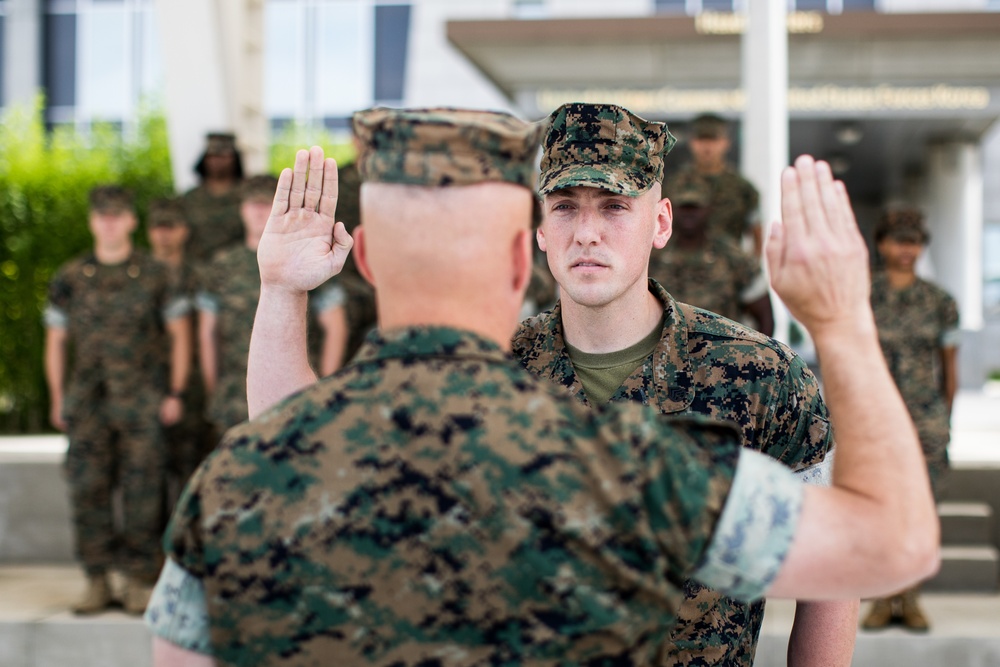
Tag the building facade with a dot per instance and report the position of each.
(900, 95)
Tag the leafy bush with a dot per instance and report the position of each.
(294, 136)
(44, 181)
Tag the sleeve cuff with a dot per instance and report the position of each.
(54, 318)
(951, 338)
(177, 611)
(755, 531)
(178, 307)
(327, 298)
(820, 474)
(206, 302)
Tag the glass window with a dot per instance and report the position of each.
(392, 31)
(343, 79)
(104, 61)
(60, 60)
(810, 5)
(283, 76)
(3, 35)
(671, 6)
(859, 5)
(716, 5)
(991, 271)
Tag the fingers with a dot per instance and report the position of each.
(280, 205)
(775, 250)
(300, 173)
(331, 188)
(315, 184)
(792, 216)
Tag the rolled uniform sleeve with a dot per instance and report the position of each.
(755, 531)
(329, 296)
(177, 610)
(206, 302)
(178, 306)
(951, 335)
(54, 317)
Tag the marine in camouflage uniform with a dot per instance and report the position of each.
(734, 200)
(709, 270)
(695, 363)
(229, 289)
(113, 319)
(213, 207)
(191, 439)
(432, 503)
(918, 330)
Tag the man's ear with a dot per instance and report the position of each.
(360, 254)
(540, 238)
(664, 223)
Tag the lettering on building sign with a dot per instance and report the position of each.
(729, 23)
(940, 97)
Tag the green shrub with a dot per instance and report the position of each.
(300, 135)
(44, 181)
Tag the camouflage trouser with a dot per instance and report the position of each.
(102, 457)
(936, 453)
(192, 439)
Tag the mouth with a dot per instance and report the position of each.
(588, 264)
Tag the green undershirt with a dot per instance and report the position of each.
(602, 374)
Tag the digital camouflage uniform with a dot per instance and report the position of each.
(704, 365)
(214, 221)
(191, 439)
(734, 200)
(115, 318)
(914, 324)
(433, 503)
(718, 276)
(707, 365)
(230, 287)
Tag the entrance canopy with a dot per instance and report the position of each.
(868, 91)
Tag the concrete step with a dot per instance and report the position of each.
(966, 523)
(965, 632)
(37, 631)
(971, 568)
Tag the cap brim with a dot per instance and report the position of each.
(589, 176)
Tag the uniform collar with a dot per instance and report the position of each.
(428, 342)
(664, 380)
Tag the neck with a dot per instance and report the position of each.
(112, 254)
(493, 324)
(172, 258)
(614, 326)
(218, 186)
(711, 168)
(900, 278)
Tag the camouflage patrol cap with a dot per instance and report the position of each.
(444, 147)
(111, 199)
(709, 126)
(167, 213)
(258, 187)
(602, 146)
(902, 224)
(220, 143)
(693, 194)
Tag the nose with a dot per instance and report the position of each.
(588, 231)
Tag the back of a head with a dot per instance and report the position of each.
(442, 188)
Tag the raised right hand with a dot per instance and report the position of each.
(302, 245)
(817, 258)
